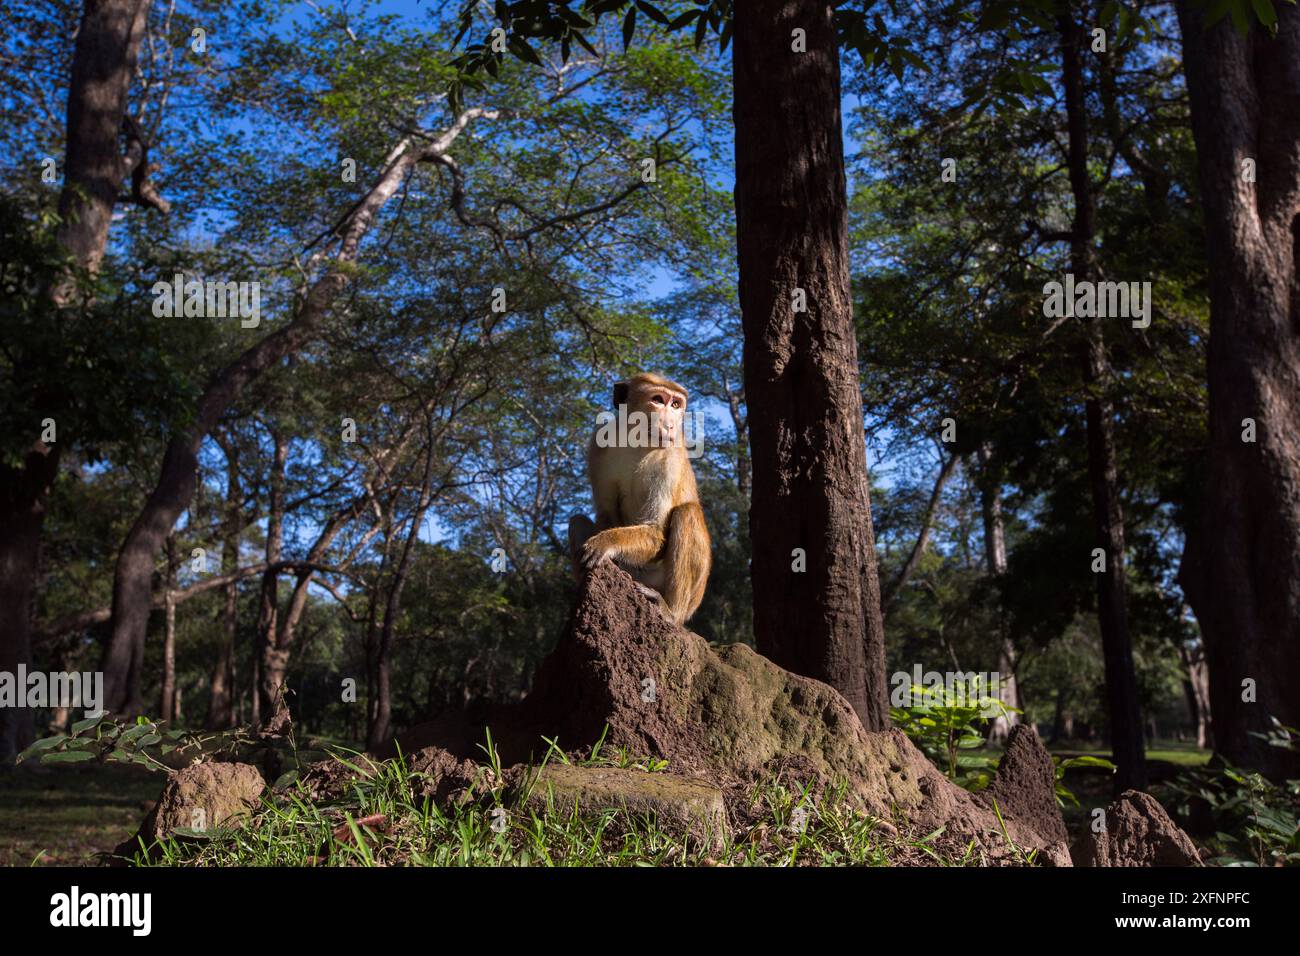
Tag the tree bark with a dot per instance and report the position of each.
(1123, 708)
(103, 63)
(1196, 686)
(167, 692)
(221, 715)
(23, 494)
(1241, 560)
(810, 486)
(995, 562)
(272, 663)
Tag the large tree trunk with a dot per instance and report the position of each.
(103, 63)
(1123, 709)
(1241, 563)
(810, 487)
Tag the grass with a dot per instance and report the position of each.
(65, 815)
(68, 814)
(382, 822)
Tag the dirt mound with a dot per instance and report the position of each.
(1025, 786)
(1138, 833)
(731, 715)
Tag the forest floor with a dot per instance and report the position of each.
(63, 815)
(66, 815)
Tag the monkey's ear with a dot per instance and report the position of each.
(620, 394)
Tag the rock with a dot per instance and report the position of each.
(226, 793)
(729, 715)
(1138, 833)
(680, 805)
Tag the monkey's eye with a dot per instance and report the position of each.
(658, 399)
(676, 404)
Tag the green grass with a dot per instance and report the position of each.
(1179, 753)
(781, 828)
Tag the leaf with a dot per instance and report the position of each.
(520, 47)
(629, 27)
(1216, 12)
(653, 12)
(40, 746)
(684, 19)
(724, 37)
(1264, 10)
(68, 756)
(86, 724)
(1240, 21)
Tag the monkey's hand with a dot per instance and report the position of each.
(595, 551)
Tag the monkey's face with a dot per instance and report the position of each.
(665, 408)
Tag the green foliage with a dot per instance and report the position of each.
(94, 365)
(1257, 821)
(947, 724)
(142, 741)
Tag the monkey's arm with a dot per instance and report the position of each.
(637, 544)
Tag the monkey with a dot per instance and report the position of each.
(648, 515)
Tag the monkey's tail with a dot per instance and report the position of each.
(688, 558)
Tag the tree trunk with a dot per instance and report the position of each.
(810, 488)
(23, 492)
(103, 63)
(221, 700)
(1241, 561)
(273, 664)
(379, 731)
(1123, 709)
(168, 691)
(995, 563)
(1196, 685)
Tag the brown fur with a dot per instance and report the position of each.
(648, 514)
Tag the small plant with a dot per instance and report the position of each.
(142, 741)
(1257, 820)
(946, 724)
